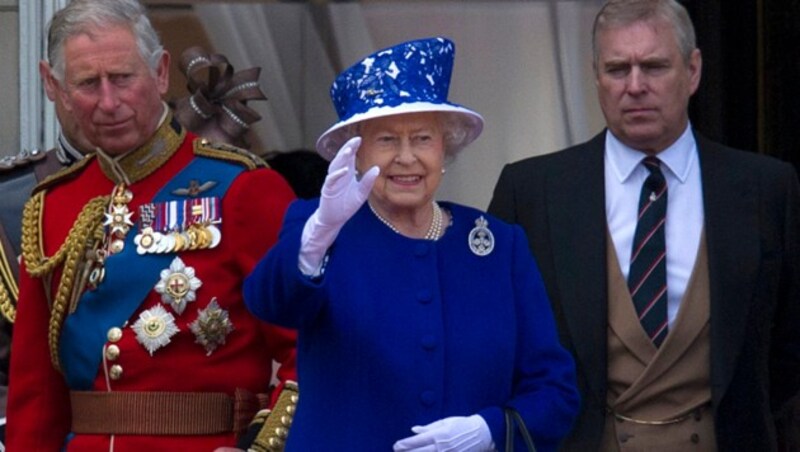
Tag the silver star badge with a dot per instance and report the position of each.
(178, 285)
(154, 328)
(211, 327)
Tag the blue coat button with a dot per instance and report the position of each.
(428, 342)
(424, 296)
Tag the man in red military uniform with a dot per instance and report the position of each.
(19, 174)
(130, 330)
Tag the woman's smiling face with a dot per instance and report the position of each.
(410, 152)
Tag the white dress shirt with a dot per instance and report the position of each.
(624, 175)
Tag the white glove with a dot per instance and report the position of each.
(453, 434)
(341, 196)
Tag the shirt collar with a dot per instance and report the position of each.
(67, 153)
(678, 158)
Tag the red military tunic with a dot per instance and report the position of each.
(252, 208)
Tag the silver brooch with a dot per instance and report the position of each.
(211, 327)
(154, 328)
(178, 285)
(481, 239)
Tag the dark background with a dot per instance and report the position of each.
(749, 95)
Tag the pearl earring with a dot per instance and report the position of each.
(444, 170)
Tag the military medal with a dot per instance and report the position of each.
(147, 240)
(116, 225)
(179, 242)
(179, 225)
(178, 285)
(205, 214)
(211, 327)
(216, 235)
(481, 239)
(118, 217)
(166, 244)
(154, 328)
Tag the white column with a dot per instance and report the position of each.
(38, 127)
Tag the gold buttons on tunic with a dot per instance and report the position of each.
(112, 352)
(117, 246)
(114, 334)
(115, 372)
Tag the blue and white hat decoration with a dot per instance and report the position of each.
(411, 77)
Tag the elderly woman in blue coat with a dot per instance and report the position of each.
(420, 321)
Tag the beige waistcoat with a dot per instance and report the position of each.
(669, 384)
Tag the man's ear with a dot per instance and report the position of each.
(695, 70)
(52, 87)
(50, 83)
(162, 73)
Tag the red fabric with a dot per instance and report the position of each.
(252, 211)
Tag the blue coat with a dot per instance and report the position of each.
(401, 332)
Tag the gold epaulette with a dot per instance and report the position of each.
(273, 434)
(224, 151)
(65, 174)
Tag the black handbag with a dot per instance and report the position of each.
(513, 418)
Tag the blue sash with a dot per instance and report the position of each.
(129, 278)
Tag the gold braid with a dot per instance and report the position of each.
(7, 308)
(87, 228)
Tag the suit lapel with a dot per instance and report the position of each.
(730, 203)
(576, 207)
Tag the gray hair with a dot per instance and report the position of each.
(620, 13)
(84, 16)
(454, 126)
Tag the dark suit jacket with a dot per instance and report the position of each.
(752, 224)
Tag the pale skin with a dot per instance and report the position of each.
(409, 149)
(69, 126)
(111, 91)
(644, 84)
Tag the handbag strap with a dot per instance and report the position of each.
(513, 417)
(509, 430)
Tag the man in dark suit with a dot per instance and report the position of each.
(672, 262)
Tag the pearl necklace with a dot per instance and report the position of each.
(434, 231)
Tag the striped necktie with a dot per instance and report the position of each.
(647, 278)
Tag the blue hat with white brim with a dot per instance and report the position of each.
(412, 77)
